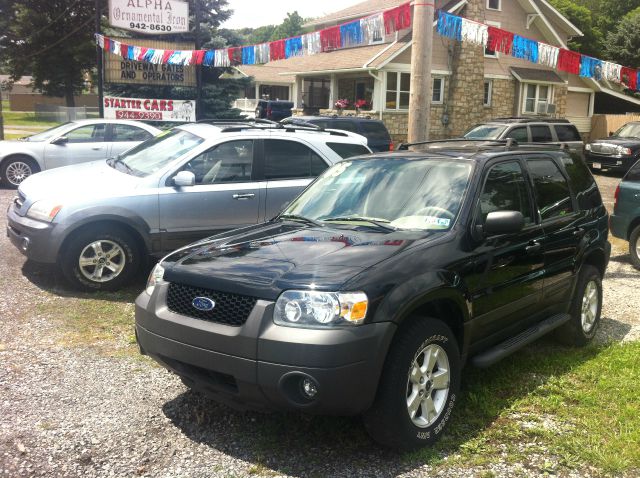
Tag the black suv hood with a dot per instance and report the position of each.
(264, 260)
(633, 143)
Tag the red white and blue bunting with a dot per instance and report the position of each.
(496, 39)
(363, 31)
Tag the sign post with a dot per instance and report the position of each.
(99, 62)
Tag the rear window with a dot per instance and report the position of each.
(582, 182)
(345, 125)
(346, 150)
(374, 130)
(552, 189)
(567, 132)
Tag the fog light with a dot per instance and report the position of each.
(618, 163)
(309, 388)
(25, 244)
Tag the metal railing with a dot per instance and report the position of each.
(63, 114)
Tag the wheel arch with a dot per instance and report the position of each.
(26, 155)
(635, 222)
(597, 259)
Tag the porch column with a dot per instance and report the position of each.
(297, 93)
(257, 91)
(333, 91)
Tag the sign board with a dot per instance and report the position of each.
(149, 109)
(119, 70)
(154, 17)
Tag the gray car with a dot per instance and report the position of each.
(69, 143)
(99, 221)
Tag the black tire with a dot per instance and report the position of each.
(634, 247)
(119, 261)
(388, 421)
(580, 330)
(16, 169)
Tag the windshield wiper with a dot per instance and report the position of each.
(296, 217)
(379, 223)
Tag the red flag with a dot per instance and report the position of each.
(397, 18)
(330, 38)
(569, 61)
(277, 50)
(500, 40)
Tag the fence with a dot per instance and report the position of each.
(62, 114)
(602, 125)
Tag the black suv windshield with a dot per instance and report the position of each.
(155, 153)
(485, 131)
(406, 194)
(630, 130)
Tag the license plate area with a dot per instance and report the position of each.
(597, 166)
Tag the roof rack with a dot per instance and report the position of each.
(290, 128)
(529, 119)
(239, 120)
(508, 144)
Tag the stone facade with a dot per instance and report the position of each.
(503, 100)
(560, 99)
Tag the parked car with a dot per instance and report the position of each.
(377, 284)
(273, 110)
(530, 130)
(98, 221)
(618, 152)
(378, 137)
(625, 220)
(70, 143)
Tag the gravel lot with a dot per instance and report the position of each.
(74, 410)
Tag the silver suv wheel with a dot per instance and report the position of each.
(589, 309)
(102, 261)
(428, 385)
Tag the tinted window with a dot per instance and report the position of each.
(290, 159)
(583, 184)
(375, 131)
(345, 125)
(346, 150)
(87, 134)
(567, 132)
(552, 190)
(519, 134)
(634, 173)
(506, 190)
(226, 163)
(541, 134)
(125, 132)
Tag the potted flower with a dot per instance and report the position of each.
(362, 105)
(341, 105)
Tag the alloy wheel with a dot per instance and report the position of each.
(17, 171)
(589, 309)
(102, 261)
(428, 385)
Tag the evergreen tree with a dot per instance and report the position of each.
(623, 44)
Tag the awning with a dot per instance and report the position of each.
(535, 75)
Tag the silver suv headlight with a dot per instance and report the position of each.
(155, 278)
(44, 210)
(314, 309)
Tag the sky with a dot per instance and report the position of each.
(255, 13)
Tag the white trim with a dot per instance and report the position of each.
(491, 76)
(325, 72)
(499, 9)
(366, 63)
(489, 102)
(495, 53)
(537, 98)
(562, 18)
(592, 103)
(547, 24)
(579, 89)
(442, 88)
(405, 67)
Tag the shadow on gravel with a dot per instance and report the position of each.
(303, 445)
(612, 330)
(48, 278)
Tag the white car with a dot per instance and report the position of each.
(69, 143)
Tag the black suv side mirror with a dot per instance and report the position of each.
(503, 222)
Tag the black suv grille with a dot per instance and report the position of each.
(230, 309)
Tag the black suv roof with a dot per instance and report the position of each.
(330, 117)
(521, 119)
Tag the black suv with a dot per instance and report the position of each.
(377, 284)
(618, 152)
(273, 110)
(530, 130)
(378, 138)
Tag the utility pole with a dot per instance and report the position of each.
(421, 82)
(1, 116)
(99, 63)
(196, 5)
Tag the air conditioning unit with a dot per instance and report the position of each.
(545, 108)
(551, 109)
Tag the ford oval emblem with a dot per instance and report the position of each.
(203, 303)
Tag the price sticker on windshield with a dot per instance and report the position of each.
(442, 222)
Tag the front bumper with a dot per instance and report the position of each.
(609, 163)
(261, 365)
(37, 240)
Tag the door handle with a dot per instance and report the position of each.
(533, 247)
(97, 148)
(579, 232)
(241, 197)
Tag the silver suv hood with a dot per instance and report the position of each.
(86, 181)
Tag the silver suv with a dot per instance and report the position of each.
(99, 221)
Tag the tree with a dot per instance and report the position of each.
(52, 40)
(581, 16)
(290, 27)
(623, 44)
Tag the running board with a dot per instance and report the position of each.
(500, 351)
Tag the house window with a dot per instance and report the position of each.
(490, 53)
(438, 91)
(534, 96)
(494, 4)
(398, 85)
(488, 92)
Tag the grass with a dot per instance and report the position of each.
(21, 118)
(579, 405)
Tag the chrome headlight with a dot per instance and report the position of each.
(303, 308)
(588, 147)
(622, 151)
(44, 210)
(155, 278)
